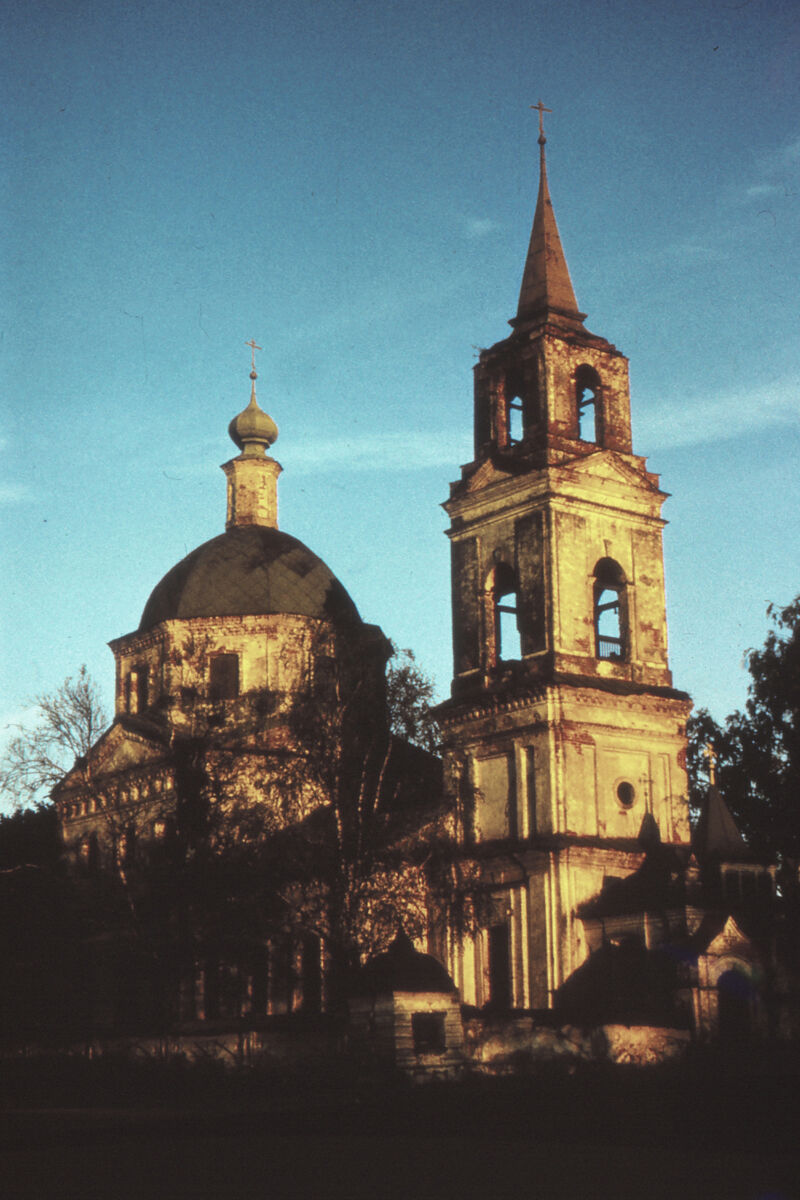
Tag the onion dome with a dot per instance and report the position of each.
(253, 431)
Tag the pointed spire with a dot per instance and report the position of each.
(546, 285)
(717, 834)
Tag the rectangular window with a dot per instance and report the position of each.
(427, 1029)
(223, 682)
(500, 966)
(509, 641)
(494, 815)
(137, 690)
(530, 788)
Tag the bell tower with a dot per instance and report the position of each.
(563, 731)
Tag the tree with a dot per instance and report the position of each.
(758, 750)
(409, 693)
(29, 837)
(290, 820)
(43, 923)
(70, 721)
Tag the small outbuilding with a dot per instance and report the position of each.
(405, 1011)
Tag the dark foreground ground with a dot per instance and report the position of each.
(709, 1129)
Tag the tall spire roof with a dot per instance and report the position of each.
(717, 834)
(546, 285)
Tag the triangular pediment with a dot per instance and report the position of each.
(597, 469)
(120, 748)
(612, 467)
(486, 474)
(730, 940)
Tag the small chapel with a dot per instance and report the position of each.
(558, 806)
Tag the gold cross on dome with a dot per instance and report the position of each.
(253, 348)
(540, 108)
(710, 754)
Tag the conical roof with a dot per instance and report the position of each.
(717, 835)
(546, 285)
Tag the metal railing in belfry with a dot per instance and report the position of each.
(609, 647)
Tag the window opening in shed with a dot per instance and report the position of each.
(428, 1032)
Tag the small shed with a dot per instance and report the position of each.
(405, 1010)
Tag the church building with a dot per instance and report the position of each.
(561, 799)
(251, 713)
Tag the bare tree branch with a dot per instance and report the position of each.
(70, 721)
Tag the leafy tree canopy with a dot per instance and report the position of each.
(409, 695)
(758, 750)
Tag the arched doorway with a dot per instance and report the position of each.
(735, 997)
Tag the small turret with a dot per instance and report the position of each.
(252, 475)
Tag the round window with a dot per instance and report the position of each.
(626, 794)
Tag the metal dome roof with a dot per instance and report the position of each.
(250, 570)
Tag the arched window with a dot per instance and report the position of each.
(587, 399)
(516, 423)
(610, 611)
(503, 617)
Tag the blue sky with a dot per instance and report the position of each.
(352, 184)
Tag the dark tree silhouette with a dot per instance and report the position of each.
(758, 750)
(409, 695)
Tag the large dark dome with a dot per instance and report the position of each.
(249, 571)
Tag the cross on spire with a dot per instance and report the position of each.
(253, 348)
(540, 108)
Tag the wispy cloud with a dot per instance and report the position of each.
(790, 154)
(662, 426)
(478, 227)
(413, 451)
(691, 249)
(418, 450)
(762, 191)
(777, 174)
(12, 493)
